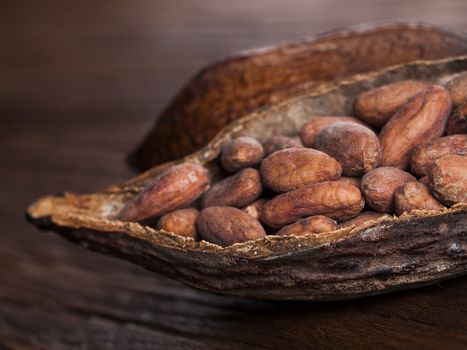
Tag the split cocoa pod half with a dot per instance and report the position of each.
(306, 239)
(237, 85)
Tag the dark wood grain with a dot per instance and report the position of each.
(81, 82)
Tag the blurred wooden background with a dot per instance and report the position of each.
(80, 84)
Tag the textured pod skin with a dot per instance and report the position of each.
(241, 153)
(377, 106)
(313, 224)
(354, 146)
(294, 168)
(379, 185)
(364, 217)
(355, 181)
(421, 119)
(280, 142)
(174, 188)
(457, 88)
(181, 222)
(335, 200)
(254, 208)
(310, 131)
(415, 195)
(227, 225)
(235, 191)
(457, 121)
(425, 154)
(448, 179)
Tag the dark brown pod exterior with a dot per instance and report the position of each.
(181, 222)
(241, 153)
(227, 225)
(354, 146)
(379, 185)
(294, 168)
(415, 195)
(457, 88)
(364, 217)
(448, 179)
(426, 154)
(310, 130)
(336, 200)
(355, 181)
(176, 187)
(375, 107)
(235, 191)
(255, 208)
(280, 142)
(457, 121)
(421, 119)
(312, 224)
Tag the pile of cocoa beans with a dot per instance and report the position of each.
(405, 149)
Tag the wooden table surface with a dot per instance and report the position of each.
(80, 84)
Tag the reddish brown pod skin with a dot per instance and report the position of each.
(294, 168)
(426, 154)
(255, 208)
(448, 179)
(421, 119)
(235, 191)
(377, 106)
(415, 195)
(354, 146)
(355, 181)
(181, 222)
(379, 185)
(457, 88)
(336, 200)
(364, 217)
(176, 187)
(280, 142)
(457, 121)
(313, 224)
(310, 131)
(227, 225)
(241, 153)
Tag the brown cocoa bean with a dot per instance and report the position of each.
(310, 131)
(415, 195)
(355, 181)
(181, 222)
(377, 106)
(354, 146)
(174, 188)
(379, 185)
(363, 217)
(457, 121)
(336, 200)
(457, 88)
(255, 208)
(313, 224)
(234, 191)
(227, 225)
(294, 168)
(425, 180)
(448, 179)
(425, 154)
(240, 153)
(421, 119)
(280, 142)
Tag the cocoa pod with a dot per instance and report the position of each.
(448, 179)
(181, 222)
(312, 224)
(255, 208)
(379, 185)
(241, 153)
(176, 187)
(415, 195)
(227, 225)
(310, 131)
(335, 200)
(421, 119)
(234, 191)
(294, 168)
(354, 146)
(363, 217)
(375, 107)
(280, 142)
(457, 88)
(425, 154)
(457, 121)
